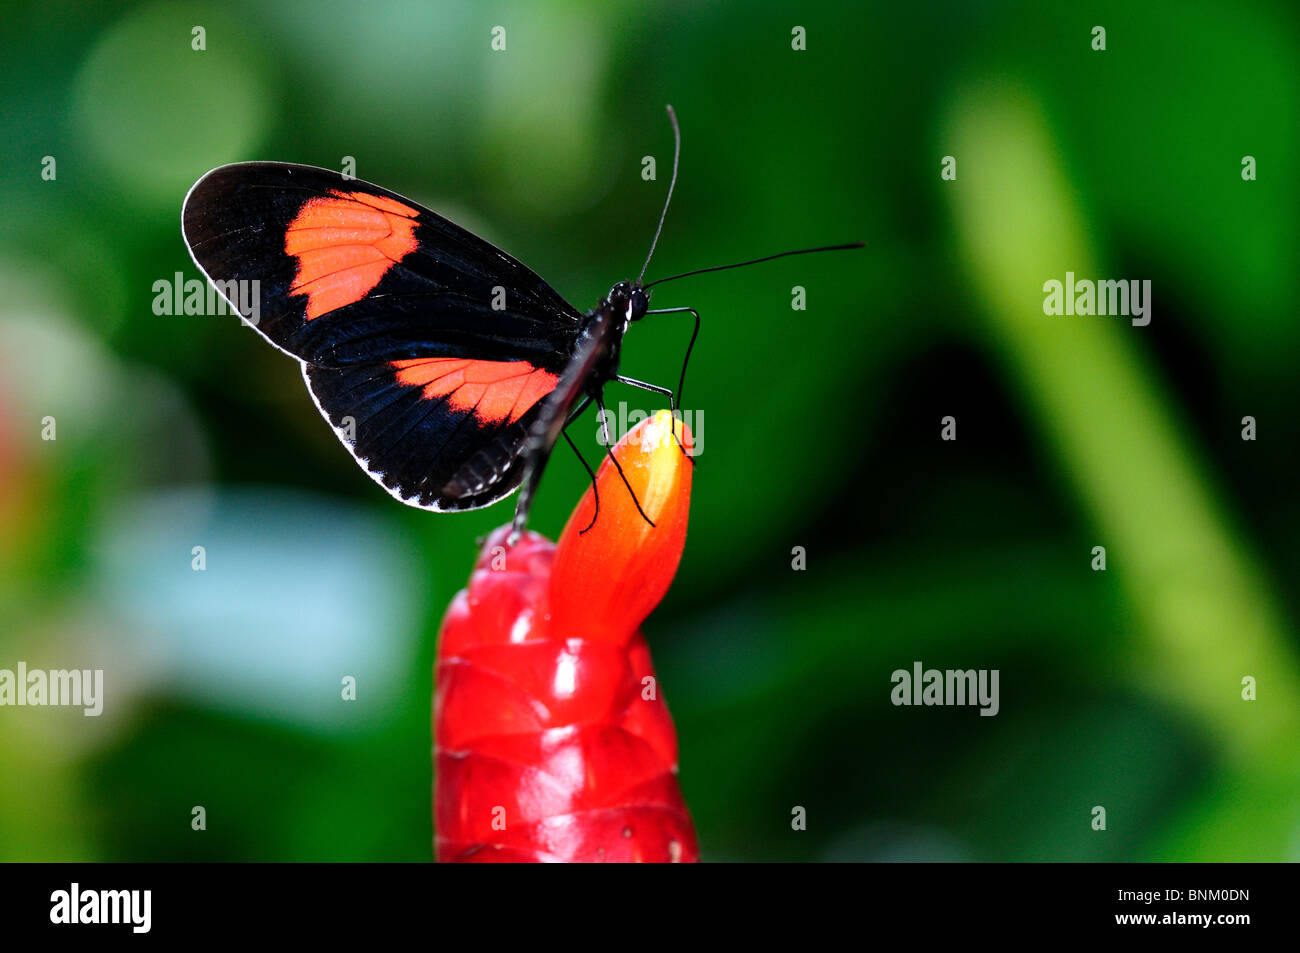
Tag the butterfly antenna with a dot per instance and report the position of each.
(677, 154)
(755, 261)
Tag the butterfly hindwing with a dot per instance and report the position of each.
(428, 444)
(427, 349)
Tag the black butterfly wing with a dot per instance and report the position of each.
(428, 349)
(430, 444)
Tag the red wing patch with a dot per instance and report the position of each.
(345, 245)
(497, 391)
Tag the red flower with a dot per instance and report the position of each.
(552, 740)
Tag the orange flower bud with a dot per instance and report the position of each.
(607, 579)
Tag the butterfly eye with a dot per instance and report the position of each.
(640, 301)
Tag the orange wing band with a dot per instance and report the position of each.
(345, 245)
(497, 391)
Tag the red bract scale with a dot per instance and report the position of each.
(551, 737)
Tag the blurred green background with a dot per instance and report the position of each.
(1119, 688)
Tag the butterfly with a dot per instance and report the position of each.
(447, 368)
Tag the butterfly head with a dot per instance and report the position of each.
(629, 300)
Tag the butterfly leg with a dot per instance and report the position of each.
(695, 332)
(672, 406)
(595, 490)
(537, 449)
(652, 388)
(609, 449)
(681, 380)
